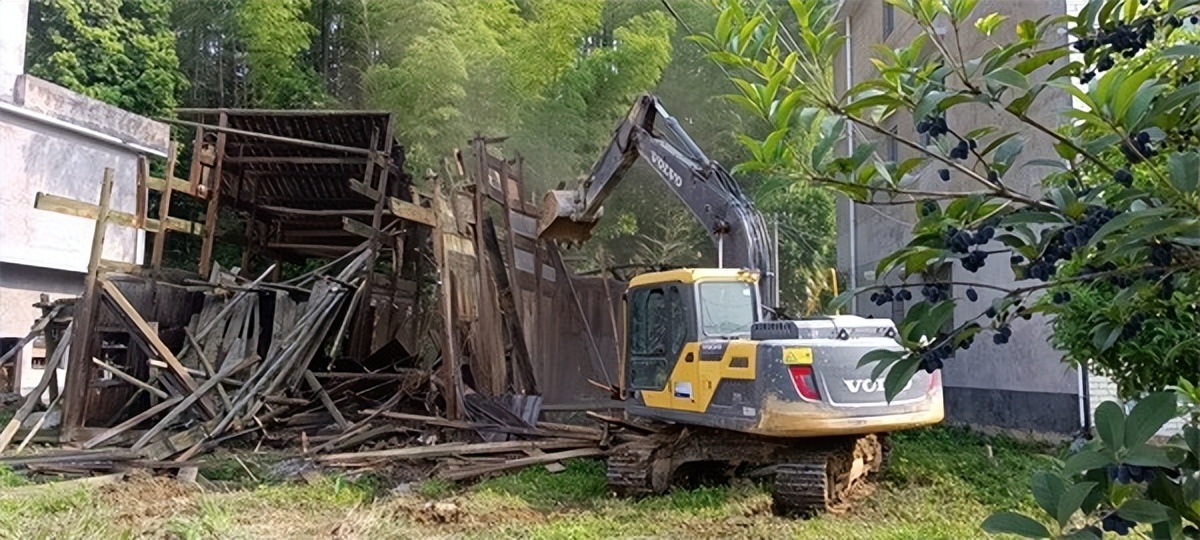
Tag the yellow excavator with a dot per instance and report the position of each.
(730, 387)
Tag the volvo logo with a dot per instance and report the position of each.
(665, 169)
(867, 385)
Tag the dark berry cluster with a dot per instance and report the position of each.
(961, 241)
(932, 359)
(1067, 240)
(935, 292)
(1126, 39)
(1002, 334)
(888, 294)
(1061, 297)
(1137, 148)
(1161, 254)
(1124, 474)
(934, 126)
(1133, 326)
(1114, 523)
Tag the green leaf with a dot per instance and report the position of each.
(1185, 170)
(988, 24)
(1149, 456)
(1085, 460)
(879, 355)
(1052, 163)
(1008, 77)
(1124, 219)
(1014, 523)
(1029, 65)
(1183, 50)
(1143, 511)
(1148, 416)
(1110, 425)
(898, 377)
(1105, 335)
(1047, 489)
(1070, 501)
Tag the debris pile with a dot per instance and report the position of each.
(262, 360)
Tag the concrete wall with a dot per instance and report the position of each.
(14, 17)
(1020, 385)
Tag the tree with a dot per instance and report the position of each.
(121, 52)
(274, 34)
(1116, 213)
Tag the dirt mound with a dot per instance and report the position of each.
(145, 497)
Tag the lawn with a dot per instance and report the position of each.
(941, 484)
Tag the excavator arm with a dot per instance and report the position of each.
(707, 189)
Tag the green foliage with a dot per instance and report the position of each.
(121, 52)
(1119, 480)
(274, 33)
(1118, 207)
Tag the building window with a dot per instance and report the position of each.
(889, 18)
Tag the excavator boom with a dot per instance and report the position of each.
(704, 186)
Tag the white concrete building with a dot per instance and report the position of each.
(56, 141)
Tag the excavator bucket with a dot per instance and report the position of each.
(556, 223)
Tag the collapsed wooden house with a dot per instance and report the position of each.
(432, 307)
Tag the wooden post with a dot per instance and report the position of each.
(450, 361)
(251, 224)
(79, 366)
(214, 203)
(360, 346)
(143, 192)
(164, 208)
(522, 369)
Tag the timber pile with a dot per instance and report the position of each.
(263, 360)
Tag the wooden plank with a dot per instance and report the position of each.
(363, 189)
(209, 369)
(72, 207)
(22, 492)
(315, 385)
(359, 228)
(32, 399)
(160, 184)
(522, 367)
(196, 396)
(297, 160)
(411, 212)
(472, 472)
(152, 339)
(131, 423)
(449, 449)
(120, 267)
(130, 379)
(404, 375)
(214, 203)
(79, 379)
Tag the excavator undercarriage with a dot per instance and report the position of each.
(810, 475)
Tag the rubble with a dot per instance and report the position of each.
(348, 366)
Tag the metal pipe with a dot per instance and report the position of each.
(850, 152)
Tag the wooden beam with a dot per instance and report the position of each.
(310, 247)
(450, 449)
(78, 380)
(151, 337)
(398, 207)
(197, 395)
(308, 212)
(406, 210)
(71, 207)
(490, 468)
(164, 205)
(358, 228)
(266, 137)
(279, 112)
(131, 423)
(130, 379)
(315, 385)
(177, 184)
(214, 204)
(35, 397)
(143, 195)
(298, 160)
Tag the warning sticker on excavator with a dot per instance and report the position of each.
(797, 355)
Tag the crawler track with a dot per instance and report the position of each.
(812, 476)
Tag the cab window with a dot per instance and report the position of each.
(727, 309)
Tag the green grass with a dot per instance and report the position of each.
(941, 484)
